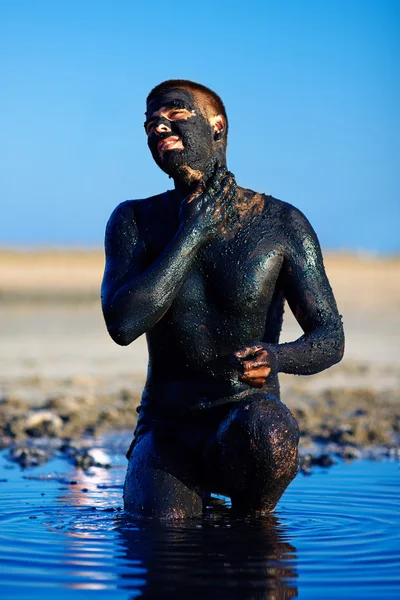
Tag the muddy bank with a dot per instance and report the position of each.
(63, 382)
(346, 422)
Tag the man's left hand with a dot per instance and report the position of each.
(255, 363)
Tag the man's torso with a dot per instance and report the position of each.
(223, 304)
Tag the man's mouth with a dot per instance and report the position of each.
(173, 142)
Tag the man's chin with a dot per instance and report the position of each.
(188, 175)
(174, 165)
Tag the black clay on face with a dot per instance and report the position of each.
(195, 132)
(200, 299)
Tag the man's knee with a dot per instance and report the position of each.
(257, 451)
(156, 485)
(160, 495)
(265, 431)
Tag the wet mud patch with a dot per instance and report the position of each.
(349, 423)
(336, 534)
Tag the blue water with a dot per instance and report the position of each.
(335, 534)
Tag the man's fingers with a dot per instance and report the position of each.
(258, 383)
(228, 200)
(256, 377)
(254, 382)
(197, 192)
(257, 373)
(248, 351)
(217, 212)
(215, 181)
(260, 361)
(227, 183)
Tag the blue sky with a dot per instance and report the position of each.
(312, 90)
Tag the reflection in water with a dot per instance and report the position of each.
(217, 555)
(214, 557)
(61, 530)
(93, 568)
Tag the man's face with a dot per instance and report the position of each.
(178, 135)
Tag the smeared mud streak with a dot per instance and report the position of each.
(199, 299)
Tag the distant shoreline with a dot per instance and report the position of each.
(78, 249)
(62, 376)
(37, 275)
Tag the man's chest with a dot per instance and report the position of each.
(236, 271)
(239, 273)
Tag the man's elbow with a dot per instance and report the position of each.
(121, 335)
(119, 328)
(121, 339)
(338, 349)
(340, 352)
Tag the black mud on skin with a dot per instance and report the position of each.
(196, 134)
(201, 427)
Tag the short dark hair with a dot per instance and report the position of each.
(208, 101)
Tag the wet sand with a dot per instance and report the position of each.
(63, 380)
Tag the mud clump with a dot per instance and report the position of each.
(344, 423)
(66, 417)
(308, 461)
(59, 424)
(84, 456)
(347, 423)
(43, 423)
(357, 417)
(28, 456)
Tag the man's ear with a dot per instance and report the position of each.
(218, 124)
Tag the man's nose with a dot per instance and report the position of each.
(162, 126)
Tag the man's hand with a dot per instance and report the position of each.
(208, 208)
(255, 364)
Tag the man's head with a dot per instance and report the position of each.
(187, 128)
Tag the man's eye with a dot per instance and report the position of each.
(177, 114)
(149, 126)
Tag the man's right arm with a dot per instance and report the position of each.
(135, 298)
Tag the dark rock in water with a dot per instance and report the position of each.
(350, 452)
(324, 460)
(28, 456)
(305, 464)
(342, 434)
(84, 459)
(43, 423)
(5, 441)
(305, 469)
(394, 452)
(308, 461)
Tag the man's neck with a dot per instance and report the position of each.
(184, 189)
(184, 186)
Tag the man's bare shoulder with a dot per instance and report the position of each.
(268, 206)
(129, 211)
(296, 232)
(278, 220)
(128, 207)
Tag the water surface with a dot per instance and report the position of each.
(63, 534)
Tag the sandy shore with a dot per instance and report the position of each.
(62, 377)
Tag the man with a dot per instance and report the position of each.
(203, 270)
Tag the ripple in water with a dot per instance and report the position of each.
(335, 534)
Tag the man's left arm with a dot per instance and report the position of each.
(310, 297)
